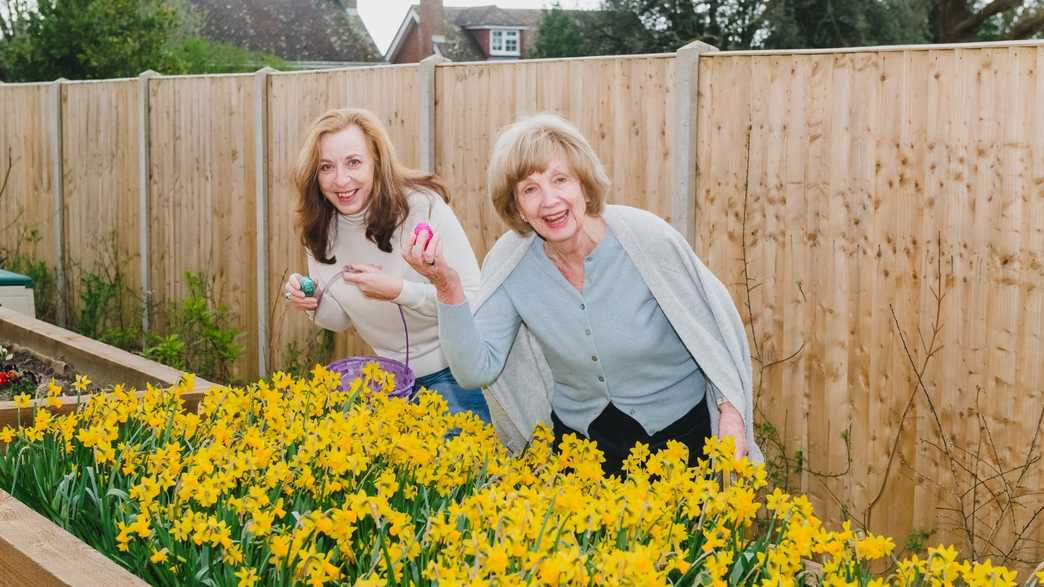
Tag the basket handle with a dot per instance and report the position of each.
(402, 314)
(407, 332)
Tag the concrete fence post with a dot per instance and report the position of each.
(261, 207)
(144, 201)
(683, 164)
(426, 92)
(58, 194)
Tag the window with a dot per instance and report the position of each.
(504, 42)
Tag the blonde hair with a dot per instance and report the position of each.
(526, 147)
(388, 206)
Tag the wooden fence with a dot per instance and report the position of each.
(878, 215)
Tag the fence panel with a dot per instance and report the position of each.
(202, 195)
(100, 153)
(879, 214)
(26, 163)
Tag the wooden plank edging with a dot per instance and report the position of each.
(92, 358)
(35, 551)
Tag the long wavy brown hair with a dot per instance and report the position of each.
(392, 182)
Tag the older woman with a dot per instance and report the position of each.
(599, 319)
(355, 204)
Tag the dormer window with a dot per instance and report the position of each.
(504, 42)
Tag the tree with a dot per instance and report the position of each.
(97, 39)
(559, 36)
(199, 55)
(958, 21)
(656, 26)
(829, 23)
(575, 33)
(669, 24)
(87, 39)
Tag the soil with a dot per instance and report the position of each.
(37, 369)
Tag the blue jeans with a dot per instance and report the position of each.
(458, 398)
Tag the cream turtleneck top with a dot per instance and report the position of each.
(378, 323)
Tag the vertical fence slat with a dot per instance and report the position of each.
(426, 111)
(683, 152)
(261, 199)
(144, 200)
(58, 206)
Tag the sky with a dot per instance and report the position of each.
(383, 17)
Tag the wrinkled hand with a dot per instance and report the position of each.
(373, 282)
(424, 254)
(730, 423)
(298, 300)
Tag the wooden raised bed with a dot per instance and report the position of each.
(98, 361)
(33, 550)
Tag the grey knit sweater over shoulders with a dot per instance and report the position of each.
(694, 300)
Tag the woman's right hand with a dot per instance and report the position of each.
(296, 298)
(424, 253)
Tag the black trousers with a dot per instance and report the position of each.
(616, 433)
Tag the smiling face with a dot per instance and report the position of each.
(345, 171)
(552, 202)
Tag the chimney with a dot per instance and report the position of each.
(431, 25)
(351, 7)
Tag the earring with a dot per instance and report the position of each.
(524, 219)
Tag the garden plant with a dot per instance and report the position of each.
(296, 481)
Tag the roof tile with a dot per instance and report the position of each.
(295, 30)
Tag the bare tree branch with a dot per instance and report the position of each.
(1028, 26)
(972, 23)
(7, 172)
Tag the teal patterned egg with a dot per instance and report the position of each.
(307, 286)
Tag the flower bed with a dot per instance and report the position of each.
(23, 372)
(42, 351)
(294, 481)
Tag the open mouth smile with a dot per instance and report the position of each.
(346, 197)
(556, 220)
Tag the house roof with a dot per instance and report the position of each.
(459, 45)
(294, 30)
(490, 16)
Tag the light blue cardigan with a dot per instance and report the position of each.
(696, 303)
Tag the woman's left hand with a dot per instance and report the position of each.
(373, 282)
(730, 423)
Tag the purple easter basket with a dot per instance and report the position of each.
(351, 368)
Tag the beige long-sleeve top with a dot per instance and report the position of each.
(378, 323)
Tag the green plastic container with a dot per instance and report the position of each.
(9, 278)
(16, 293)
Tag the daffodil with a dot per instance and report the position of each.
(298, 481)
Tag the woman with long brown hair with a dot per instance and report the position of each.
(357, 208)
